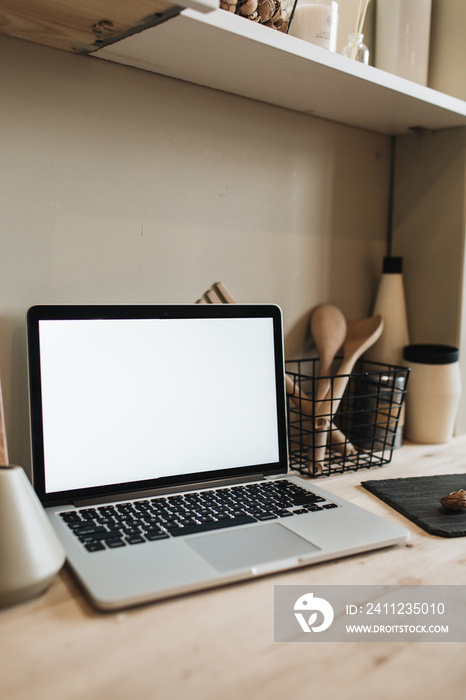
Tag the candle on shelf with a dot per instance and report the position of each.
(316, 22)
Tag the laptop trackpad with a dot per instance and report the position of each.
(248, 547)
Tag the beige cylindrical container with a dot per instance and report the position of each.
(402, 38)
(434, 391)
(30, 552)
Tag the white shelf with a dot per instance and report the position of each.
(226, 52)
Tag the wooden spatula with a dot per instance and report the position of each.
(360, 335)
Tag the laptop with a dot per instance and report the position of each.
(159, 451)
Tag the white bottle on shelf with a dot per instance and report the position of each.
(390, 303)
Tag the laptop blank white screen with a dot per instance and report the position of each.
(134, 399)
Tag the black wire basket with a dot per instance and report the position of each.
(331, 436)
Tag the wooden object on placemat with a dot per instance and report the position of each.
(3, 440)
(456, 500)
(217, 294)
(418, 498)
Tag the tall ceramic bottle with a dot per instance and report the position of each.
(390, 303)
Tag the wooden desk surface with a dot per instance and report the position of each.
(219, 644)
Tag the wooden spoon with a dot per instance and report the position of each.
(328, 328)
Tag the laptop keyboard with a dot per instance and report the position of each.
(148, 520)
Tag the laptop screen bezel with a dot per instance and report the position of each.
(189, 311)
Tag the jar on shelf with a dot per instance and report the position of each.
(356, 49)
(316, 21)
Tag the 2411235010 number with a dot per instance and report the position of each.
(407, 608)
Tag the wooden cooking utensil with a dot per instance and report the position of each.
(328, 328)
(217, 294)
(360, 335)
(299, 396)
(3, 439)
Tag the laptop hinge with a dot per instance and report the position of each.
(146, 493)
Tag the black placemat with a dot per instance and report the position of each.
(417, 498)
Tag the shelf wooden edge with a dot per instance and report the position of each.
(89, 25)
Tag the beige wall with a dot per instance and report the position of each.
(119, 186)
(429, 231)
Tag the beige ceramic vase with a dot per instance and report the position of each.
(30, 552)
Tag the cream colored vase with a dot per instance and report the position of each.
(30, 552)
(402, 38)
(434, 391)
